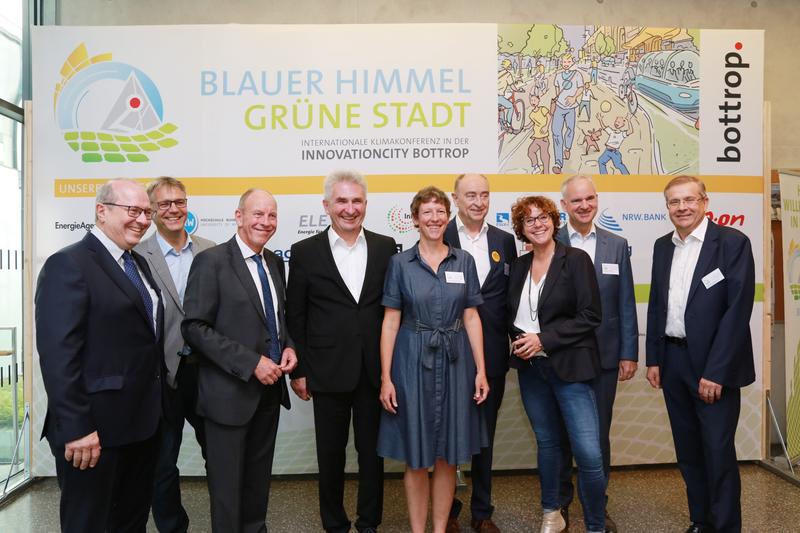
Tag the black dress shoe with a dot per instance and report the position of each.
(700, 528)
(565, 516)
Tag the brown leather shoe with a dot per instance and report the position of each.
(452, 526)
(484, 526)
(611, 526)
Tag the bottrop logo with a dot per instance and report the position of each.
(110, 111)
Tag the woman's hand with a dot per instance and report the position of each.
(526, 345)
(388, 397)
(481, 388)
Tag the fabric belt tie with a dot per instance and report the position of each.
(440, 338)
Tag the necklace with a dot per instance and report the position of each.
(534, 312)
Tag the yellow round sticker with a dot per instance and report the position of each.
(495, 256)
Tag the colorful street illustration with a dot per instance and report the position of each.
(598, 99)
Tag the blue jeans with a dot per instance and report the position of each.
(615, 157)
(549, 401)
(506, 104)
(562, 138)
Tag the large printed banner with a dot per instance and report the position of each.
(225, 108)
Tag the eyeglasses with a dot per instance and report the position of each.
(180, 203)
(541, 219)
(134, 211)
(690, 201)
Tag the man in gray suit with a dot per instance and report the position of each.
(235, 320)
(618, 334)
(169, 253)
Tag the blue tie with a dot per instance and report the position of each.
(133, 274)
(269, 310)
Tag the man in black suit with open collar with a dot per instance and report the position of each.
(334, 315)
(99, 325)
(234, 306)
(493, 250)
(699, 349)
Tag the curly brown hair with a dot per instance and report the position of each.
(429, 194)
(522, 208)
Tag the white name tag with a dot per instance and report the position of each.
(454, 277)
(712, 278)
(611, 269)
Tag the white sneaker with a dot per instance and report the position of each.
(553, 522)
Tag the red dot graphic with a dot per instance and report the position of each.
(135, 102)
(738, 46)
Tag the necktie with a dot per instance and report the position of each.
(133, 274)
(269, 311)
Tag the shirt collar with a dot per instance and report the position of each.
(572, 232)
(334, 238)
(115, 251)
(247, 252)
(463, 229)
(167, 249)
(416, 256)
(699, 234)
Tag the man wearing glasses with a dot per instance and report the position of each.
(99, 328)
(699, 349)
(169, 253)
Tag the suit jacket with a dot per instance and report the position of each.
(569, 311)
(717, 318)
(618, 334)
(101, 360)
(226, 325)
(173, 309)
(337, 337)
(502, 252)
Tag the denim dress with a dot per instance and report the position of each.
(433, 369)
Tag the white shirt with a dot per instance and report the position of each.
(527, 318)
(116, 252)
(247, 253)
(351, 261)
(684, 261)
(477, 247)
(615, 138)
(588, 243)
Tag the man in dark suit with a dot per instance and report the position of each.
(699, 349)
(169, 253)
(334, 315)
(493, 250)
(235, 322)
(99, 325)
(618, 334)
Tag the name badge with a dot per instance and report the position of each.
(611, 269)
(712, 278)
(454, 277)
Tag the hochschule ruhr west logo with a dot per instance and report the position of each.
(109, 111)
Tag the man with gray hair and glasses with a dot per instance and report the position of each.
(99, 334)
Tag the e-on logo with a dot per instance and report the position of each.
(400, 220)
(110, 111)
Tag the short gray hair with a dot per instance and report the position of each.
(163, 181)
(572, 179)
(106, 193)
(341, 176)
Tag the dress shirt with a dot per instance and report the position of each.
(248, 254)
(684, 261)
(351, 261)
(527, 318)
(477, 247)
(588, 243)
(116, 252)
(178, 263)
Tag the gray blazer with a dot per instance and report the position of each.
(173, 310)
(618, 334)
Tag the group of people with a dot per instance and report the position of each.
(135, 336)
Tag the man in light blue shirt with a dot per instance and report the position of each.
(169, 254)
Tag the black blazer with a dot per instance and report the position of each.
(335, 334)
(101, 360)
(502, 252)
(569, 312)
(226, 325)
(717, 318)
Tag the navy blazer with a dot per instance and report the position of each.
(717, 318)
(618, 334)
(569, 312)
(101, 360)
(502, 252)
